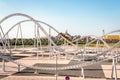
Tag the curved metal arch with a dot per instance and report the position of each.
(20, 14)
(17, 14)
(86, 36)
(40, 22)
(27, 21)
(32, 19)
(114, 31)
(68, 67)
(97, 38)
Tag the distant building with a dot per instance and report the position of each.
(112, 37)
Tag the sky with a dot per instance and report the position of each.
(78, 17)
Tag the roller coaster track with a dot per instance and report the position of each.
(56, 47)
(114, 31)
(32, 19)
(70, 66)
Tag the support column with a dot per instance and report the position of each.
(35, 36)
(82, 73)
(18, 67)
(56, 71)
(3, 65)
(114, 69)
(21, 37)
(36, 71)
(37, 57)
(49, 43)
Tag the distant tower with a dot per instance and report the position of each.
(66, 31)
(103, 32)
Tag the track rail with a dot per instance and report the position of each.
(70, 66)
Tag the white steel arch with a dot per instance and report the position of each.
(64, 67)
(32, 19)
